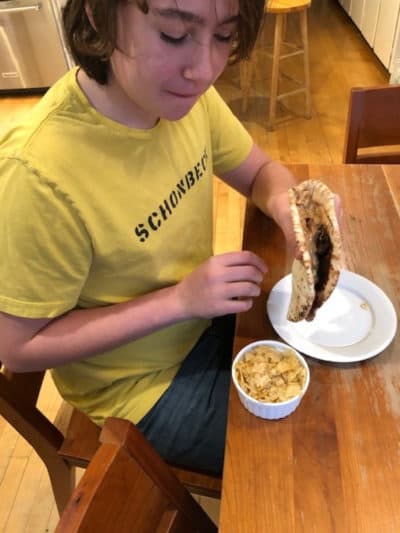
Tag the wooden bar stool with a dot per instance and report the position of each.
(282, 8)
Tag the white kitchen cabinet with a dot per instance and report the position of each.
(379, 23)
(386, 30)
(357, 11)
(347, 5)
(394, 67)
(370, 20)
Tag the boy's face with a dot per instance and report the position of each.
(170, 56)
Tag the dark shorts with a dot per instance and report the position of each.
(188, 423)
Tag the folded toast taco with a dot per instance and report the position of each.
(316, 228)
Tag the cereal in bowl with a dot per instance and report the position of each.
(269, 375)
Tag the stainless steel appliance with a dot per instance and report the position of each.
(32, 52)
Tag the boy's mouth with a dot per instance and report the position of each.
(182, 95)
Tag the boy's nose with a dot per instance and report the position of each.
(200, 66)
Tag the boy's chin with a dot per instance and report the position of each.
(177, 113)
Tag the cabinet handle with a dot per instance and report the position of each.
(7, 10)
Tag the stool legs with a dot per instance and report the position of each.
(246, 67)
(304, 38)
(279, 27)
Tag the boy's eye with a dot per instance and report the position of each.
(224, 38)
(172, 40)
(180, 40)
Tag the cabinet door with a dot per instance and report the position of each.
(370, 20)
(394, 67)
(347, 5)
(386, 30)
(357, 11)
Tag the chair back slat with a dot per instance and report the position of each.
(26, 386)
(18, 397)
(72, 440)
(81, 439)
(20, 411)
(127, 487)
(373, 122)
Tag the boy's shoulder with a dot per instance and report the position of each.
(37, 127)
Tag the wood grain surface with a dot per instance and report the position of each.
(339, 59)
(334, 464)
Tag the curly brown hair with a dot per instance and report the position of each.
(92, 48)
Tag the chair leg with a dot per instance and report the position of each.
(304, 38)
(62, 479)
(279, 21)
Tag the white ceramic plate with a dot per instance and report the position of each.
(357, 322)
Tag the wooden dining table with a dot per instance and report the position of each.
(334, 464)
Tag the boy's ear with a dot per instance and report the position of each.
(89, 15)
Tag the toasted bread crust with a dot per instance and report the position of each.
(312, 204)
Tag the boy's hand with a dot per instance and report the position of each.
(222, 285)
(280, 209)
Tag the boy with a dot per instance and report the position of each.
(108, 276)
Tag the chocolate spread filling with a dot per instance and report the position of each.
(323, 250)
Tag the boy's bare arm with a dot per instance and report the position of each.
(266, 182)
(223, 284)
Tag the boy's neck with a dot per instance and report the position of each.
(110, 101)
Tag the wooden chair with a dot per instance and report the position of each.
(127, 487)
(282, 9)
(373, 126)
(71, 441)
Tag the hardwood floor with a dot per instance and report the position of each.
(340, 59)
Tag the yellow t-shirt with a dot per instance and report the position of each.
(95, 213)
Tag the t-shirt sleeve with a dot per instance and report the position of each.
(231, 142)
(45, 248)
